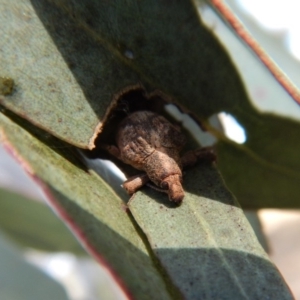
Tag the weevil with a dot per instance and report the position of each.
(150, 143)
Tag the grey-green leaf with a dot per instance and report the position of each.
(256, 224)
(69, 58)
(207, 245)
(21, 281)
(73, 57)
(95, 213)
(32, 224)
(269, 161)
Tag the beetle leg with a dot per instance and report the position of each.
(144, 146)
(191, 157)
(137, 151)
(132, 184)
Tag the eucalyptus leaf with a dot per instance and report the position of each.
(69, 58)
(263, 184)
(21, 281)
(256, 224)
(208, 229)
(207, 245)
(84, 53)
(32, 224)
(95, 213)
(264, 171)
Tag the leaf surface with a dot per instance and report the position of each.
(69, 58)
(89, 207)
(66, 74)
(207, 242)
(32, 224)
(22, 281)
(209, 229)
(268, 160)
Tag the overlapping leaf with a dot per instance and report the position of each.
(207, 242)
(31, 224)
(208, 233)
(67, 72)
(74, 56)
(22, 281)
(90, 207)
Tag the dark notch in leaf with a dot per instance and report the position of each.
(130, 100)
(127, 101)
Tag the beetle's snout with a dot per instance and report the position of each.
(176, 193)
(175, 190)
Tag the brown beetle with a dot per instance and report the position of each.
(149, 142)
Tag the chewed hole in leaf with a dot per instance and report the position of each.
(130, 100)
(111, 169)
(232, 128)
